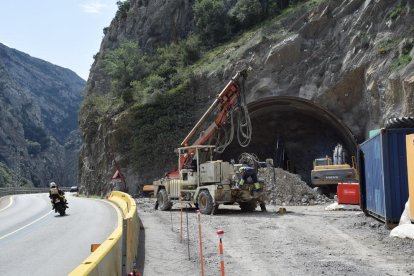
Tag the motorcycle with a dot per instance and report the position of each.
(60, 205)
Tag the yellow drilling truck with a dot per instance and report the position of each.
(201, 181)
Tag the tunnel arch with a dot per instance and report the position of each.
(293, 131)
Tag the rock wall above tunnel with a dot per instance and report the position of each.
(342, 56)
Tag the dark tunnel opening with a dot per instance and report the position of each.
(293, 132)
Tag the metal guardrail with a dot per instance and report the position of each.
(19, 190)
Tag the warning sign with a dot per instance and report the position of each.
(118, 175)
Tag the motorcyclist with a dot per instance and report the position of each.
(55, 192)
(247, 172)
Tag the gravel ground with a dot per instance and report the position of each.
(307, 240)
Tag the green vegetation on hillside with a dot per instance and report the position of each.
(396, 11)
(155, 128)
(9, 179)
(6, 177)
(123, 8)
(138, 77)
(215, 23)
(401, 61)
(155, 87)
(32, 132)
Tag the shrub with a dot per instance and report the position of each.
(124, 65)
(363, 41)
(123, 8)
(402, 61)
(6, 175)
(33, 132)
(386, 45)
(136, 76)
(127, 96)
(33, 148)
(396, 11)
(190, 50)
(143, 89)
(211, 21)
(246, 13)
(159, 127)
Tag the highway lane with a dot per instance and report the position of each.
(34, 240)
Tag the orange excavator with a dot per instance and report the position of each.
(200, 180)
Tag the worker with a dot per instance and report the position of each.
(247, 172)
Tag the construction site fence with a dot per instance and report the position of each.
(118, 253)
(22, 190)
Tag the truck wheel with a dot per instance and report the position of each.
(247, 206)
(163, 203)
(263, 207)
(205, 202)
(215, 209)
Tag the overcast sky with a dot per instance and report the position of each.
(64, 32)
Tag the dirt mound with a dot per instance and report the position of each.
(284, 188)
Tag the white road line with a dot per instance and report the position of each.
(21, 228)
(8, 205)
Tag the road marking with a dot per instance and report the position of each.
(10, 203)
(27, 225)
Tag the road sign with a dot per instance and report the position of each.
(118, 175)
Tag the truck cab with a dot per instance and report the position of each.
(326, 161)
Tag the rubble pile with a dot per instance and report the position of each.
(288, 189)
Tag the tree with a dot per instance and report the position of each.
(246, 13)
(211, 21)
(124, 64)
(123, 8)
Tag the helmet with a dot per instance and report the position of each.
(53, 185)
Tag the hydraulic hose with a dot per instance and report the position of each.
(244, 125)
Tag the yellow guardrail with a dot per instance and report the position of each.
(131, 226)
(117, 254)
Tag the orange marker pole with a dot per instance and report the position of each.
(201, 244)
(220, 233)
(181, 224)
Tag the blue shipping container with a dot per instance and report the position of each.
(383, 175)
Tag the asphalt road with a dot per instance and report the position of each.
(34, 240)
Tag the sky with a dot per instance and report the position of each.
(67, 33)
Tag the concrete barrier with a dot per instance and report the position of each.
(130, 226)
(117, 254)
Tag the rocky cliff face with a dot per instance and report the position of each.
(318, 77)
(150, 23)
(39, 136)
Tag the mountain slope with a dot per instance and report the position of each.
(39, 103)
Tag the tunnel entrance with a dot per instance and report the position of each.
(293, 131)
